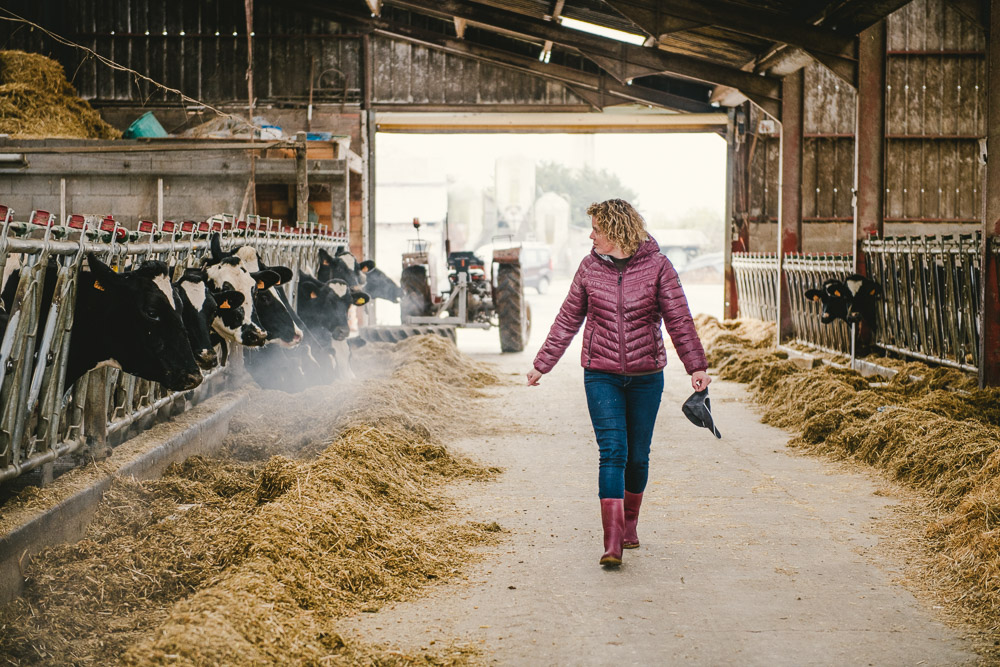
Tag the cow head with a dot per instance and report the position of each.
(271, 310)
(199, 307)
(835, 298)
(131, 320)
(343, 266)
(381, 286)
(225, 273)
(865, 294)
(323, 306)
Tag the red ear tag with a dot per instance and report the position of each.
(260, 284)
(224, 304)
(98, 285)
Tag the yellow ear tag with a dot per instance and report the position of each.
(98, 285)
(312, 295)
(115, 269)
(816, 298)
(364, 269)
(260, 284)
(224, 304)
(836, 293)
(872, 292)
(326, 262)
(360, 301)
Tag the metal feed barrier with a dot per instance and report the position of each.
(930, 306)
(40, 419)
(756, 284)
(808, 271)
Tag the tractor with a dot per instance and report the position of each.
(474, 298)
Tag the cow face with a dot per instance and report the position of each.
(344, 266)
(835, 298)
(324, 306)
(380, 286)
(199, 307)
(865, 294)
(239, 325)
(133, 321)
(270, 308)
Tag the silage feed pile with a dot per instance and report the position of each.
(929, 428)
(319, 505)
(37, 102)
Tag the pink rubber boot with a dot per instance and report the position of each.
(613, 518)
(630, 539)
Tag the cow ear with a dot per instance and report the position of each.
(341, 251)
(216, 245)
(360, 298)
(367, 265)
(285, 274)
(324, 258)
(229, 299)
(103, 275)
(265, 279)
(814, 295)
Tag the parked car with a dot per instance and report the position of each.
(536, 263)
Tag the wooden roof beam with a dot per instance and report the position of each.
(554, 16)
(612, 91)
(764, 90)
(833, 49)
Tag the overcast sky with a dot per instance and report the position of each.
(673, 173)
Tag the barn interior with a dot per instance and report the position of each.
(856, 144)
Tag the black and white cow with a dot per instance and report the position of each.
(324, 306)
(865, 294)
(272, 307)
(225, 273)
(835, 298)
(853, 300)
(129, 320)
(199, 306)
(343, 266)
(380, 286)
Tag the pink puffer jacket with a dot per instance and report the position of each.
(623, 312)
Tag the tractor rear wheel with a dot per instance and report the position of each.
(512, 309)
(416, 301)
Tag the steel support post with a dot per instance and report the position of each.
(730, 304)
(302, 180)
(790, 188)
(989, 339)
(869, 144)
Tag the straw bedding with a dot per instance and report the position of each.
(929, 428)
(36, 101)
(250, 558)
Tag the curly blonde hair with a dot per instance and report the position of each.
(620, 223)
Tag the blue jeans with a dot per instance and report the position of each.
(623, 410)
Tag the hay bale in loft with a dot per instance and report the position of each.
(36, 101)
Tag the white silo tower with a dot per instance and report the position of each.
(515, 193)
(465, 215)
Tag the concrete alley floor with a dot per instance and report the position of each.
(750, 555)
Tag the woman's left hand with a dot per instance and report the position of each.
(700, 380)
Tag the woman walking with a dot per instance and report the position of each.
(623, 289)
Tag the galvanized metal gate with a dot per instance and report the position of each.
(809, 271)
(757, 284)
(40, 419)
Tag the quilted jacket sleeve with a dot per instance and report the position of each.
(567, 323)
(677, 318)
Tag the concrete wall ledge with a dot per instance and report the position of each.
(197, 431)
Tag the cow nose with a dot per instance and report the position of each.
(191, 380)
(252, 336)
(341, 333)
(207, 359)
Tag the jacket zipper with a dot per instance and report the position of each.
(621, 322)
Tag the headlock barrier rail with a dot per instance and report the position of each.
(756, 284)
(930, 306)
(808, 271)
(930, 297)
(40, 419)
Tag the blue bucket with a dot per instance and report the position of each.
(145, 125)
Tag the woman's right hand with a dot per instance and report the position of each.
(533, 377)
